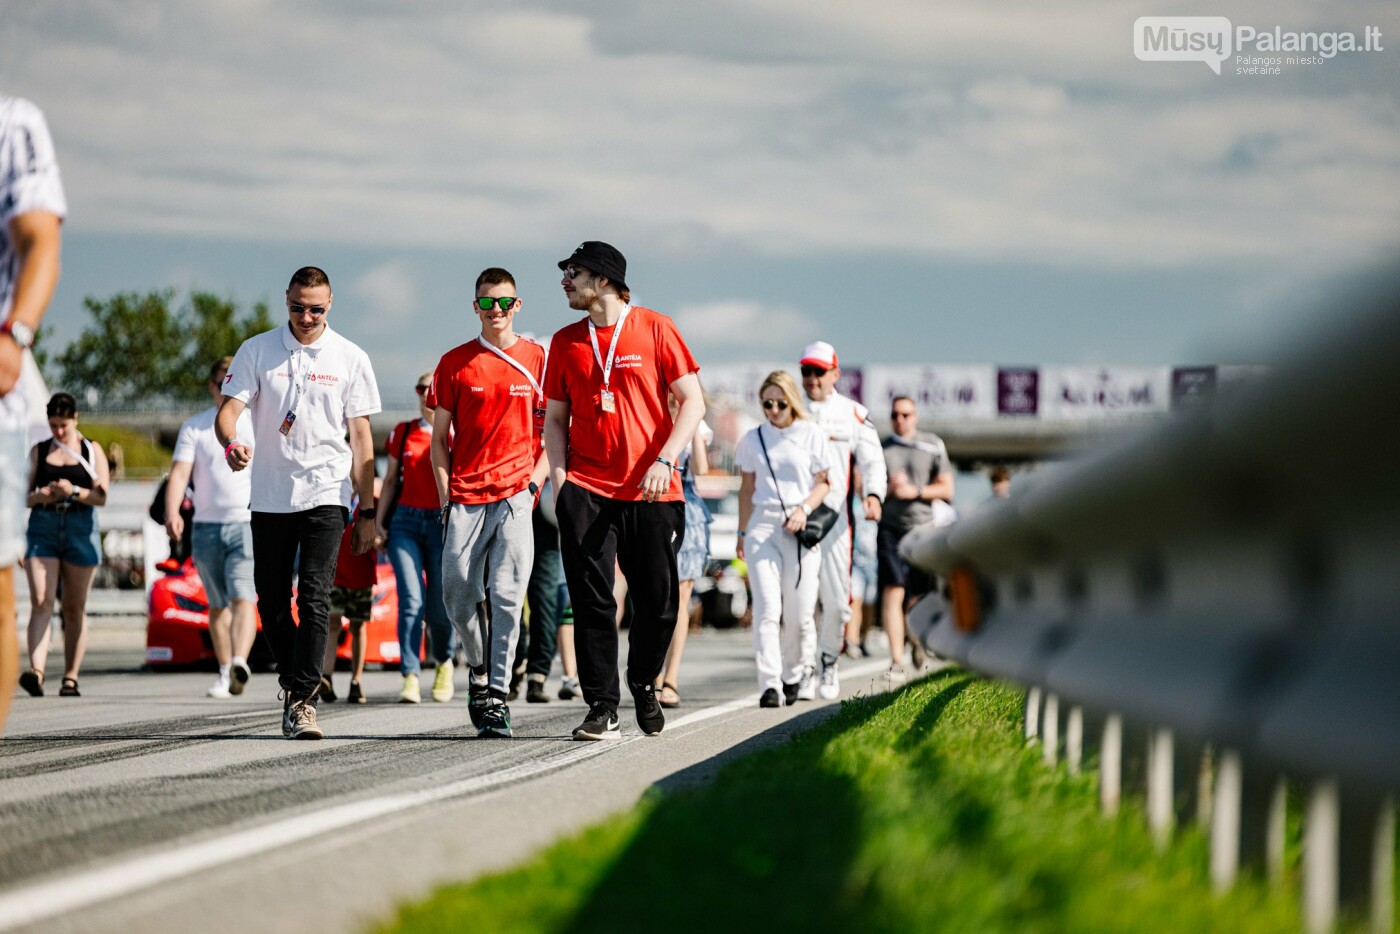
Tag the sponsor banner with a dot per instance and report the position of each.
(1192, 386)
(940, 391)
(1079, 392)
(1018, 390)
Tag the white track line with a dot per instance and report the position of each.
(69, 893)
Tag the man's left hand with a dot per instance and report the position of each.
(872, 508)
(362, 538)
(657, 482)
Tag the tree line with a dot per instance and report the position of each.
(142, 348)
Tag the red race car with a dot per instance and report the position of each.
(177, 626)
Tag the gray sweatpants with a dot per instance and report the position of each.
(486, 556)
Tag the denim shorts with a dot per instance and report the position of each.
(223, 553)
(71, 536)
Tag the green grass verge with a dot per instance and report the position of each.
(921, 810)
(145, 458)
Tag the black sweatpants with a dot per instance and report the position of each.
(595, 535)
(304, 544)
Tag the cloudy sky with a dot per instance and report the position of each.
(912, 181)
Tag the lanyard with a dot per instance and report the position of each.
(299, 388)
(534, 384)
(612, 347)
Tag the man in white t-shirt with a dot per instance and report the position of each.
(32, 208)
(222, 539)
(304, 385)
(853, 438)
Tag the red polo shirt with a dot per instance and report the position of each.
(609, 452)
(497, 419)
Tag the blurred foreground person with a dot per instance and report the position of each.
(305, 385)
(32, 208)
(67, 478)
(783, 466)
(222, 536)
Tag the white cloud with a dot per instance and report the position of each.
(743, 329)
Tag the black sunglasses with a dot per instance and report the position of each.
(809, 370)
(316, 310)
(780, 404)
(420, 389)
(507, 302)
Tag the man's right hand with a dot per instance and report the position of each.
(238, 457)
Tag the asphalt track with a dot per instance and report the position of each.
(145, 806)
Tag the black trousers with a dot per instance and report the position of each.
(543, 596)
(278, 538)
(596, 535)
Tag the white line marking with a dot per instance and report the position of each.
(79, 890)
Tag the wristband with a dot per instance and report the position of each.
(740, 533)
(662, 460)
(231, 445)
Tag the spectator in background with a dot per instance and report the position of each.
(352, 602)
(543, 596)
(920, 476)
(409, 528)
(221, 537)
(865, 589)
(1000, 479)
(32, 207)
(116, 461)
(67, 479)
(302, 476)
(783, 468)
(690, 560)
(854, 441)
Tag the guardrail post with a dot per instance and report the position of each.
(1161, 804)
(1348, 857)
(1074, 739)
(1321, 832)
(1050, 741)
(1032, 718)
(1247, 821)
(1111, 764)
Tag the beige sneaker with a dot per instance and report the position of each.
(411, 692)
(304, 724)
(442, 683)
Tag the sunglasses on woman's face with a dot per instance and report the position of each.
(507, 302)
(780, 405)
(420, 389)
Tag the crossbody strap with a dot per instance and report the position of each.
(776, 491)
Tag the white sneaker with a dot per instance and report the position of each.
(830, 686)
(807, 687)
(896, 676)
(238, 676)
(219, 688)
(411, 692)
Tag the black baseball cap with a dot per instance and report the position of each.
(602, 258)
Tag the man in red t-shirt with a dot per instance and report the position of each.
(490, 402)
(619, 502)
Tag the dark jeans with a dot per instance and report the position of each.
(543, 596)
(277, 538)
(597, 534)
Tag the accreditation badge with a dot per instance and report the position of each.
(609, 401)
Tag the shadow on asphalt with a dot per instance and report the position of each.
(776, 839)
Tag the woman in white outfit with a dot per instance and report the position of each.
(783, 466)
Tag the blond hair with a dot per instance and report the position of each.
(788, 387)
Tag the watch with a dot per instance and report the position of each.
(22, 333)
(805, 508)
(366, 512)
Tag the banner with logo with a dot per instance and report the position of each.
(1080, 392)
(940, 391)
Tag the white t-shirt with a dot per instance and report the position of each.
(29, 181)
(328, 382)
(220, 494)
(798, 453)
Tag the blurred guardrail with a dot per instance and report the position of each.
(1214, 607)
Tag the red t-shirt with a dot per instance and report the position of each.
(418, 488)
(353, 571)
(610, 452)
(497, 419)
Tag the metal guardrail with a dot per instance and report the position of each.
(1212, 607)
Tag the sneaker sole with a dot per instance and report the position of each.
(495, 734)
(238, 680)
(410, 700)
(830, 695)
(581, 734)
(308, 734)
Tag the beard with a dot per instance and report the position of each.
(582, 299)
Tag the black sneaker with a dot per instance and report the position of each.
(649, 714)
(356, 695)
(601, 723)
(327, 693)
(535, 693)
(495, 722)
(286, 713)
(478, 695)
(770, 699)
(790, 693)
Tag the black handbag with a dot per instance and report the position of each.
(819, 522)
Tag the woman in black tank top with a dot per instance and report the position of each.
(67, 477)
